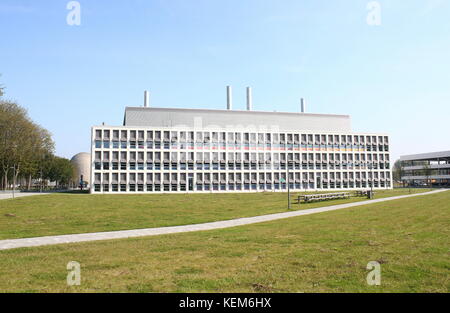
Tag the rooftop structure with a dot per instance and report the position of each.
(234, 119)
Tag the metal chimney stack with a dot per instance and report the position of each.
(146, 99)
(229, 98)
(249, 99)
(302, 105)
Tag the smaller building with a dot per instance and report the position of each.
(82, 166)
(426, 169)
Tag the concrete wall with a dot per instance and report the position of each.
(82, 165)
(232, 119)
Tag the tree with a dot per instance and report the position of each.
(13, 127)
(22, 144)
(2, 88)
(61, 171)
(398, 171)
(42, 145)
(26, 149)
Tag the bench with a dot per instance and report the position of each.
(323, 197)
(362, 193)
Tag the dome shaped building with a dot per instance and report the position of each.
(81, 163)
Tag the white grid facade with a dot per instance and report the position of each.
(127, 159)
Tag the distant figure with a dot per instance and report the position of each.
(81, 182)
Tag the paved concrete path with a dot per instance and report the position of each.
(18, 194)
(52, 240)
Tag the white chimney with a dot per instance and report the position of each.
(146, 98)
(302, 105)
(229, 98)
(249, 99)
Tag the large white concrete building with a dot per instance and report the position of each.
(200, 150)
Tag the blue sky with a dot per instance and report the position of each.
(390, 78)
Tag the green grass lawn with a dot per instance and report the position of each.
(58, 214)
(325, 252)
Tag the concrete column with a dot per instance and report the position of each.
(249, 99)
(229, 98)
(302, 105)
(146, 98)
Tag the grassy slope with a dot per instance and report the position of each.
(325, 252)
(79, 213)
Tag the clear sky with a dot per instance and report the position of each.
(392, 78)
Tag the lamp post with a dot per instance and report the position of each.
(371, 183)
(288, 186)
(40, 183)
(14, 180)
